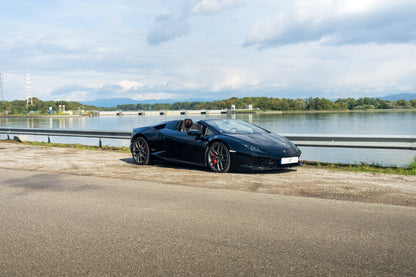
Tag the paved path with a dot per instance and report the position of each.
(59, 224)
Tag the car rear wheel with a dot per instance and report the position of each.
(140, 151)
(218, 157)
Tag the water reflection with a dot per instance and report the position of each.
(29, 123)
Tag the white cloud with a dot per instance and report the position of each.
(167, 27)
(405, 87)
(74, 95)
(84, 50)
(210, 6)
(154, 96)
(235, 80)
(337, 22)
(126, 85)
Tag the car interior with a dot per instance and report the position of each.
(187, 124)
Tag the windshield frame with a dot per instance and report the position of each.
(234, 126)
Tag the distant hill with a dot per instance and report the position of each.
(112, 102)
(109, 102)
(395, 97)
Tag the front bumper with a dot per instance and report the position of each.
(258, 163)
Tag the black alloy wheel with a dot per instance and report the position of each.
(218, 157)
(140, 151)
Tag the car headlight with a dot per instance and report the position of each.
(252, 147)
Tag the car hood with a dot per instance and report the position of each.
(268, 142)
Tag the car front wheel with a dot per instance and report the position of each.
(218, 157)
(140, 151)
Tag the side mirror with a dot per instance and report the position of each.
(194, 132)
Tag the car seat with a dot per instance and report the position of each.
(188, 124)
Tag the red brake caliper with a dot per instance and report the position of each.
(214, 158)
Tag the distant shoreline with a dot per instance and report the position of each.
(240, 112)
(326, 111)
(41, 116)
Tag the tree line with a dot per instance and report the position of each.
(277, 104)
(260, 103)
(18, 107)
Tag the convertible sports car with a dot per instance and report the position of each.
(220, 144)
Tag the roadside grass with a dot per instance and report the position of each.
(363, 167)
(122, 149)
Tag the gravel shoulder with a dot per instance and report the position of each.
(301, 181)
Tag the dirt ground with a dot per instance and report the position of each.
(301, 181)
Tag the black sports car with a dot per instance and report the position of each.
(220, 144)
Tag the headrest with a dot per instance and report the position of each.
(188, 123)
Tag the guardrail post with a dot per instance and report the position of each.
(8, 138)
(49, 139)
(100, 143)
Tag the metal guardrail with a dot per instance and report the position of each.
(346, 141)
(66, 133)
(355, 141)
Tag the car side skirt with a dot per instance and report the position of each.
(160, 155)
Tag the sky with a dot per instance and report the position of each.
(81, 50)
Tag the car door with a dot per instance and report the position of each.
(184, 147)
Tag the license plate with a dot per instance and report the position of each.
(290, 160)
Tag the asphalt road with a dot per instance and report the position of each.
(57, 224)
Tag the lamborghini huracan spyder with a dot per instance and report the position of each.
(220, 144)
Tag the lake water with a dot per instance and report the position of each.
(377, 123)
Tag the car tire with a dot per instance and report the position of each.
(141, 151)
(218, 157)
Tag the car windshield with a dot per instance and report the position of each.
(235, 127)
